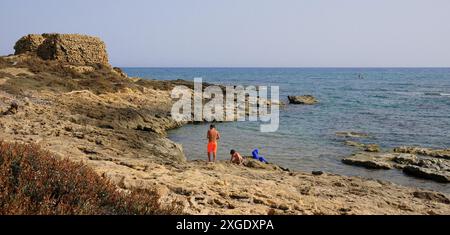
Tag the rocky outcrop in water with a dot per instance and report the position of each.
(404, 159)
(439, 153)
(427, 173)
(370, 161)
(365, 147)
(351, 134)
(302, 99)
(433, 169)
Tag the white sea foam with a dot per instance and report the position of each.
(437, 94)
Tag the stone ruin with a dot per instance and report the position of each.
(74, 49)
(29, 43)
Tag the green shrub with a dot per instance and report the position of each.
(33, 182)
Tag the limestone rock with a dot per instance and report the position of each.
(28, 43)
(80, 69)
(371, 161)
(405, 159)
(72, 49)
(303, 99)
(252, 163)
(439, 153)
(13, 109)
(372, 148)
(317, 172)
(365, 147)
(169, 150)
(432, 196)
(432, 169)
(427, 173)
(120, 72)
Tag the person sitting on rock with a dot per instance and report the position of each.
(236, 157)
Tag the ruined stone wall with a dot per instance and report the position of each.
(28, 43)
(73, 49)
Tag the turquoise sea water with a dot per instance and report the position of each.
(395, 106)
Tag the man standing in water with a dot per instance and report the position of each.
(212, 136)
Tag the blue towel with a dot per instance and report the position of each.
(255, 154)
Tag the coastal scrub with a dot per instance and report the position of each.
(33, 182)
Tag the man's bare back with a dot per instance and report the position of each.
(213, 135)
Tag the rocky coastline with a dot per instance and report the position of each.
(78, 107)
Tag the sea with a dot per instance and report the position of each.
(394, 106)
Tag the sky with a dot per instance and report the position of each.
(245, 33)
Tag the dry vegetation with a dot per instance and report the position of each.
(56, 76)
(59, 77)
(34, 182)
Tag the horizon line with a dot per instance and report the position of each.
(287, 67)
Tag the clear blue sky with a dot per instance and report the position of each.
(260, 33)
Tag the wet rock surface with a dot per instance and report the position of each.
(370, 161)
(303, 99)
(427, 168)
(439, 153)
(427, 173)
(365, 147)
(405, 159)
(433, 169)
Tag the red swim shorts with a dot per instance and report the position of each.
(212, 147)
